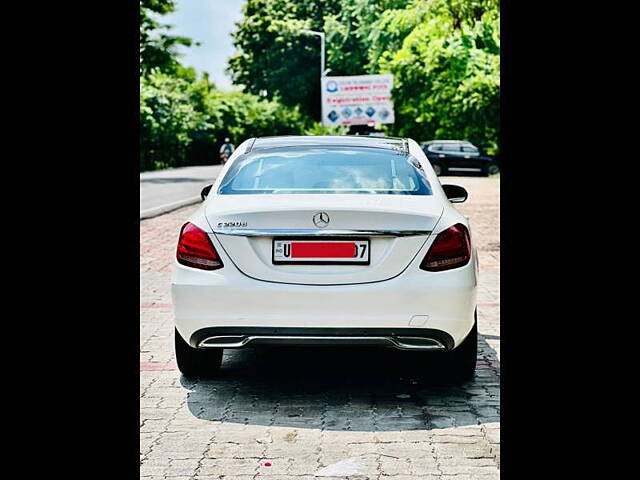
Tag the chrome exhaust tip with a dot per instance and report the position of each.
(418, 343)
(224, 341)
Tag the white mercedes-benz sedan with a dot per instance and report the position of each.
(327, 240)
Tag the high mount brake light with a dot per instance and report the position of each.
(450, 249)
(196, 250)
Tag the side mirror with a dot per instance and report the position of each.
(205, 191)
(455, 193)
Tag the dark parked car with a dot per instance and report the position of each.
(454, 156)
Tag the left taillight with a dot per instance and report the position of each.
(196, 250)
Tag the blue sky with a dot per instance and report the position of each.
(209, 22)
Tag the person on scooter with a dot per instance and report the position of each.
(226, 150)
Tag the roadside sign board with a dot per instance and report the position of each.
(357, 100)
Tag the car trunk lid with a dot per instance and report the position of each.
(397, 227)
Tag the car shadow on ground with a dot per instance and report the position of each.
(352, 389)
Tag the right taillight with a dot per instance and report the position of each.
(450, 249)
(196, 250)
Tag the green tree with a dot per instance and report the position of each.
(158, 48)
(184, 122)
(167, 116)
(239, 116)
(444, 55)
(446, 70)
(273, 58)
(184, 118)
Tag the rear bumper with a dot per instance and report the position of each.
(423, 302)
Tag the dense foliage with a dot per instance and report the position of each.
(445, 58)
(444, 55)
(158, 48)
(184, 122)
(273, 58)
(184, 119)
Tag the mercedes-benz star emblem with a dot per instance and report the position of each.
(321, 219)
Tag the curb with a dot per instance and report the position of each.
(170, 207)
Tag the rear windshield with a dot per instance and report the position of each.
(326, 170)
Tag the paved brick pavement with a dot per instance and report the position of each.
(321, 412)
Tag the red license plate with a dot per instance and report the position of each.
(325, 252)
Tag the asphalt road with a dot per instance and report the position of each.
(165, 190)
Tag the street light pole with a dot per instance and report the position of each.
(323, 71)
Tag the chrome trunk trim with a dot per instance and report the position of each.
(277, 232)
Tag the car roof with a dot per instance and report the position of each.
(389, 143)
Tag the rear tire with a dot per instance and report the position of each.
(491, 169)
(194, 362)
(461, 364)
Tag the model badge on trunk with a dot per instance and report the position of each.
(231, 224)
